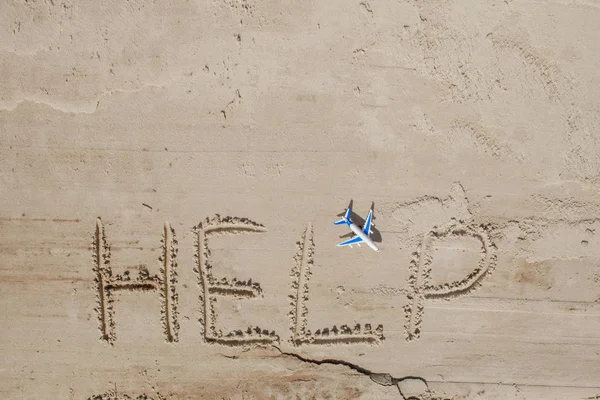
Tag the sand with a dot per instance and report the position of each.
(171, 172)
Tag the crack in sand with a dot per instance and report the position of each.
(383, 379)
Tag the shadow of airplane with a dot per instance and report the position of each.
(360, 221)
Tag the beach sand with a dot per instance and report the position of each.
(171, 173)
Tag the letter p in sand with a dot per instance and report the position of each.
(420, 287)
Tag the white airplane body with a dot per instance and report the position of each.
(362, 235)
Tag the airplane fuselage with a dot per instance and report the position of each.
(358, 232)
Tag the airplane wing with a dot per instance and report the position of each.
(355, 240)
(367, 228)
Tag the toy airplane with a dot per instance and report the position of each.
(362, 235)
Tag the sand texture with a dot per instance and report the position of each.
(171, 171)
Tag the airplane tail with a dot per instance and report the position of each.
(345, 219)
